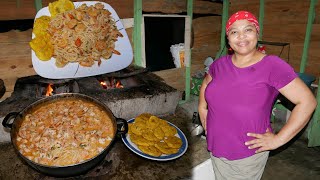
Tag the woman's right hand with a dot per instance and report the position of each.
(203, 106)
(203, 118)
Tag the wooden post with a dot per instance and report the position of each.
(314, 128)
(261, 17)
(225, 15)
(137, 32)
(38, 4)
(188, 65)
(311, 16)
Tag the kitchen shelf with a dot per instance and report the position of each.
(283, 44)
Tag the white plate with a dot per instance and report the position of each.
(135, 149)
(49, 70)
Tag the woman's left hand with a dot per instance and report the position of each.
(263, 142)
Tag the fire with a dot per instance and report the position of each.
(111, 83)
(118, 85)
(103, 84)
(49, 90)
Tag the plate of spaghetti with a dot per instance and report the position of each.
(86, 40)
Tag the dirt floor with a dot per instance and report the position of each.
(293, 162)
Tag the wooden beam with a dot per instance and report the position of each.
(223, 43)
(311, 16)
(137, 32)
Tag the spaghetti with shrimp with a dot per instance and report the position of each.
(84, 35)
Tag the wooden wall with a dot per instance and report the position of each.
(285, 21)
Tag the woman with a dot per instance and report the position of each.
(236, 99)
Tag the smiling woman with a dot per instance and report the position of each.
(256, 79)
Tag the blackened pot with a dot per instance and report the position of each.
(120, 126)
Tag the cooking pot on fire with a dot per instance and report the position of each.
(120, 126)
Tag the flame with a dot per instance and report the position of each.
(119, 85)
(103, 84)
(112, 84)
(49, 90)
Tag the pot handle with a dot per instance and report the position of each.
(122, 126)
(5, 121)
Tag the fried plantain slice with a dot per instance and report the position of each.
(60, 6)
(139, 140)
(173, 142)
(42, 46)
(41, 25)
(138, 128)
(153, 122)
(165, 149)
(130, 128)
(144, 117)
(169, 130)
(150, 150)
(159, 133)
(149, 135)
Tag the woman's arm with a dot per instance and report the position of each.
(202, 107)
(299, 94)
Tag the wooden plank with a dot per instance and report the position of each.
(15, 36)
(276, 12)
(10, 9)
(289, 33)
(13, 50)
(206, 31)
(173, 77)
(180, 6)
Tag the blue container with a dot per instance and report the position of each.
(306, 78)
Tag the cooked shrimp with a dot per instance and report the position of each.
(87, 63)
(93, 12)
(63, 43)
(79, 15)
(80, 27)
(116, 52)
(72, 23)
(101, 45)
(99, 6)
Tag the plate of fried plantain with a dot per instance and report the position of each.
(154, 138)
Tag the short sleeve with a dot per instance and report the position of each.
(216, 63)
(281, 73)
(211, 69)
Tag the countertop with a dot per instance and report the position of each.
(121, 163)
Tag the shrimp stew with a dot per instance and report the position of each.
(65, 132)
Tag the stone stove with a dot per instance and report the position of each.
(139, 91)
(127, 93)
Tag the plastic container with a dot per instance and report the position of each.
(196, 82)
(306, 78)
(177, 51)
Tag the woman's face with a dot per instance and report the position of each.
(243, 37)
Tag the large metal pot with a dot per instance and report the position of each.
(120, 127)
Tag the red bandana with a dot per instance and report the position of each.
(242, 15)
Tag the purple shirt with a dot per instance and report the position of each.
(240, 100)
